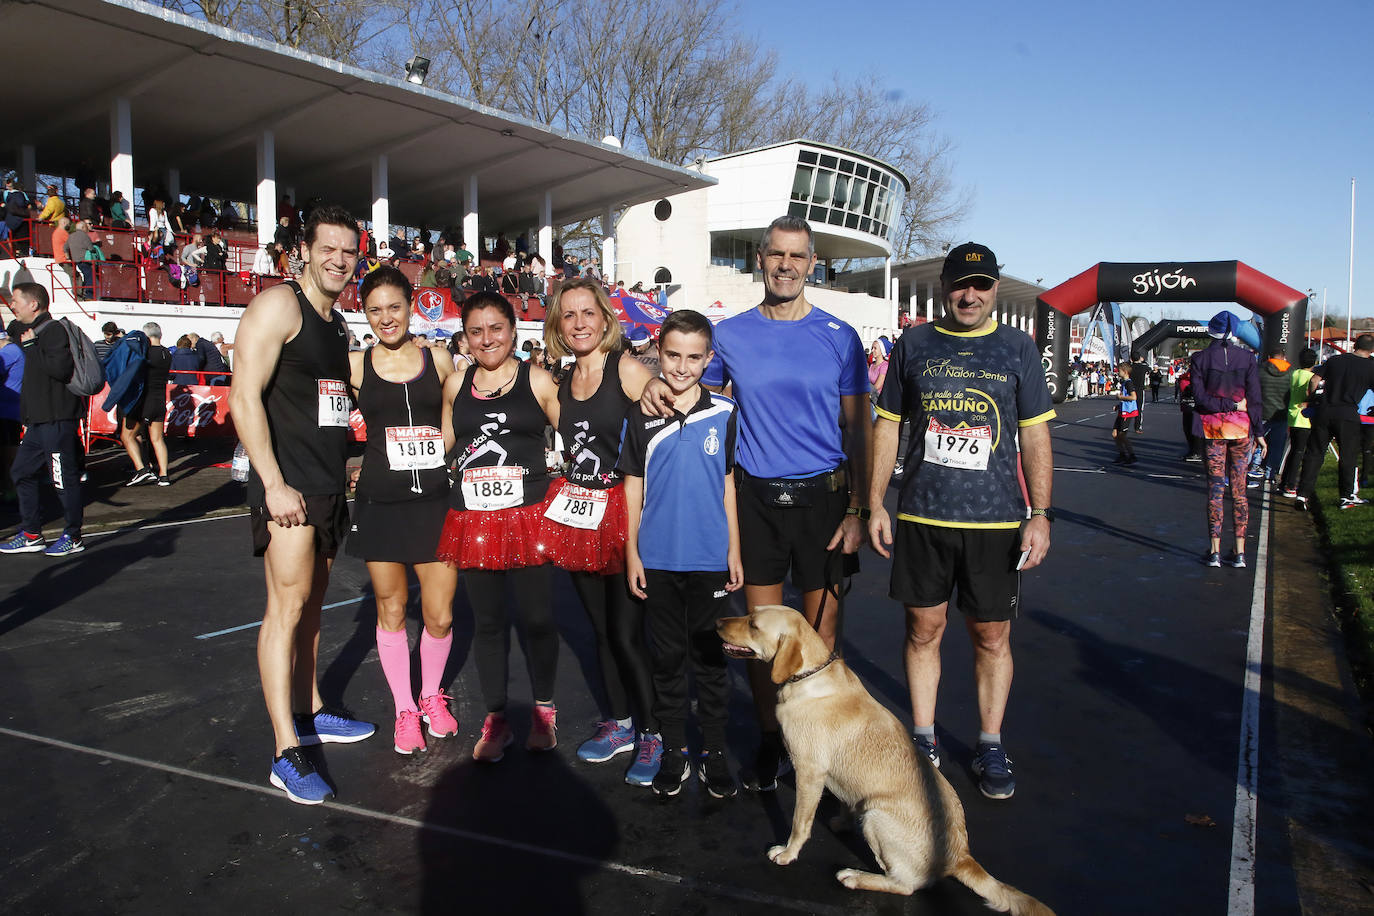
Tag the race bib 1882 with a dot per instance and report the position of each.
(488, 489)
(414, 448)
(965, 447)
(333, 402)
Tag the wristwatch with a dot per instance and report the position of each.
(1047, 513)
(861, 511)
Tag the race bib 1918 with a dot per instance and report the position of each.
(965, 447)
(578, 507)
(488, 489)
(414, 448)
(333, 402)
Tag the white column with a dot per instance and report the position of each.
(546, 229)
(913, 306)
(28, 171)
(930, 302)
(381, 201)
(122, 152)
(608, 246)
(471, 240)
(267, 186)
(892, 287)
(173, 188)
(889, 292)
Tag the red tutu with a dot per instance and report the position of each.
(503, 539)
(599, 550)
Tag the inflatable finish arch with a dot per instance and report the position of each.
(1283, 308)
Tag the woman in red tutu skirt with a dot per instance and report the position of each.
(585, 525)
(495, 416)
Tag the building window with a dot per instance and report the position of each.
(801, 183)
(824, 182)
(662, 210)
(663, 276)
(808, 156)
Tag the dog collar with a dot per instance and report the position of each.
(805, 674)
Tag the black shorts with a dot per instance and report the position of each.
(147, 410)
(328, 514)
(774, 538)
(404, 532)
(928, 561)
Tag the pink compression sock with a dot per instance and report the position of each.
(394, 651)
(433, 658)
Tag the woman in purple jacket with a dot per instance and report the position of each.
(1228, 419)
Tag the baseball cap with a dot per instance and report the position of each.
(969, 260)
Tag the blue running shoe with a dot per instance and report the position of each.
(65, 545)
(928, 748)
(296, 776)
(992, 766)
(23, 542)
(610, 739)
(647, 761)
(330, 727)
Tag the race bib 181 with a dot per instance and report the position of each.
(414, 448)
(488, 489)
(578, 507)
(965, 447)
(333, 402)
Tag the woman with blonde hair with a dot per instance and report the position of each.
(585, 525)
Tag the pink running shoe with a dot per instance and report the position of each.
(441, 721)
(410, 737)
(543, 726)
(496, 737)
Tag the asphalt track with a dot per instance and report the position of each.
(134, 748)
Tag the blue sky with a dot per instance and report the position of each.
(1097, 131)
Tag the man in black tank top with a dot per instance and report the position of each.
(290, 407)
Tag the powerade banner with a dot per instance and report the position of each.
(435, 310)
(1284, 308)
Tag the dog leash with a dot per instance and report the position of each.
(834, 560)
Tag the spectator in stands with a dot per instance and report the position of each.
(368, 341)
(591, 270)
(385, 255)
(502, 247)
(178, 219)
(79, 250)
(119, 212)
(207, 215)
(16, 212)
(210, 359)
(55, 209)
(184, 357)
(284, 237)
(193, 252)
(61, 232)
(88, 209)
(110, 336)
(485, 280)
(569, 267)
(529, 284)
(418, 251)
(265, 261)
(465, 257)
(216, 255)
(11, 379)
(510, 281)
(160, 226)
(217, 338)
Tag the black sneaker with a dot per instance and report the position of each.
(714, 773)
(672, 773)
(929, 747)
(992, 766)
(143, 475)
(769, 763)
(164, 481)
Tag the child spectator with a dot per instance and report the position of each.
(1127, 409)
(677, 470)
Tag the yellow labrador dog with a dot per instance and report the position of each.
(841, 739)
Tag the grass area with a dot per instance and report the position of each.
(1348, 541)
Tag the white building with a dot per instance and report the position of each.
(701, 244)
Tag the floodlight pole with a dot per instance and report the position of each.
(1350, 299)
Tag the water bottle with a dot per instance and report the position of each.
(240, 465)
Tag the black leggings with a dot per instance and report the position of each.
(618, 621)
(491, 630)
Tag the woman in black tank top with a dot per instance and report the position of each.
(402, 497)
(494, 419)
(585, 526)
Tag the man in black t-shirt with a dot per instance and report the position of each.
(1343, 380)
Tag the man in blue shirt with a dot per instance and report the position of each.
(800, 378)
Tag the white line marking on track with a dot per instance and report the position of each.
(1241, 898)
(1084, 470)
(258, 623)
(683, 881)
(142, 527)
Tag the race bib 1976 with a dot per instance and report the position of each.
(333, 402)
(414, 448)
(578, 507)
(963, 447)
(488, 489)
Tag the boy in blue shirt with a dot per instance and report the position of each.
(682, 548)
